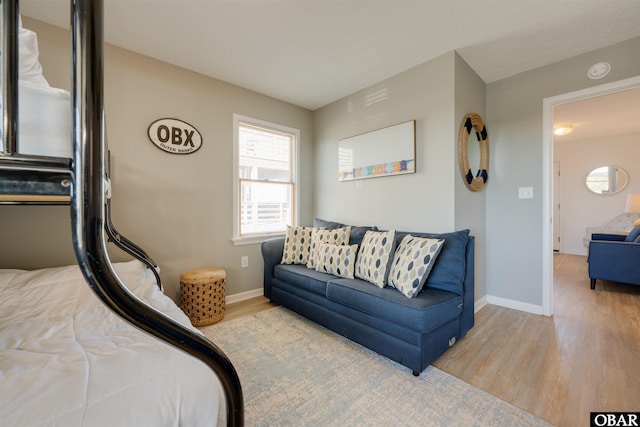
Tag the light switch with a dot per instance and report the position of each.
(525, 192)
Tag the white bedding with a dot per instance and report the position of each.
(67, 360)
(44, 112)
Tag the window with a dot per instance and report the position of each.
(265, 179)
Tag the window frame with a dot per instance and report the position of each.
(239, 119)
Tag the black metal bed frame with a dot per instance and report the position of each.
(83, 179)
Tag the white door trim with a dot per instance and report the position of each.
(558, 241)
(547, 174)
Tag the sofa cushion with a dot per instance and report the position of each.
(374, 257)
(430, 309)
(336, 236)
(412, 262)
(303, 277)
(338, 260)
(357, 231)
(449, 269)
(297, 242)
(329, 225)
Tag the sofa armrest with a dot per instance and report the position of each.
(617, 237)
(467, 317)
(615, 261)
(272, 250)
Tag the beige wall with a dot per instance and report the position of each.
(178, 208)
(420, 202)
(515, 117)
(437, 94)
(470, 208)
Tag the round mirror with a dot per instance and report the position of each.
(606, 180)
(473, 149)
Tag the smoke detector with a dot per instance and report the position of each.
(599, 70)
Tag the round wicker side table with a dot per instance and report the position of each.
(202, 296)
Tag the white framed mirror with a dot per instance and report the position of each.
(607, 180)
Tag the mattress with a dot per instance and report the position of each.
(44, 123)
(66, 359)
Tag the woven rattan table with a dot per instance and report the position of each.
(202, 295)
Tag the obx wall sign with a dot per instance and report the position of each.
(174, 136)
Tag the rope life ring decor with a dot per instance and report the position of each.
(473, 122)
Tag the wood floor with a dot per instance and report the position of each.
(585, 358)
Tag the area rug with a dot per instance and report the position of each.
(297, 373)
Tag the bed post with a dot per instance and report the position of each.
(9, 74)
(35, 175)
(88, 208)
(118, 239)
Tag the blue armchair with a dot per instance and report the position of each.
(615, 258)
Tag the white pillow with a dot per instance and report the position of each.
(29, 67)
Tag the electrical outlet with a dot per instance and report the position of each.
(244, 262)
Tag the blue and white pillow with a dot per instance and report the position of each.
(374, 256)
(338, 260)
(412, 263)
(337, 236)
(633, 235)
(297, 244)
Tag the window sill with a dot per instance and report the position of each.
(254, 240)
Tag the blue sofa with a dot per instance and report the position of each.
(615, 257)
(411, 331)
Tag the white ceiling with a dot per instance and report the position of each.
(313, 52)
(601, 116)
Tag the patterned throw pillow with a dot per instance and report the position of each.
(633, 235)
(357, 231)
(373, 260)
(338, 260)
(412, 263)
(297, 243)
(337, 236)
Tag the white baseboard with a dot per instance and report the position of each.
(516, 305)
(582, 252)
(230, 299)
(479, 304)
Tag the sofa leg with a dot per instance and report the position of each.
(416, 373)
(593, 283)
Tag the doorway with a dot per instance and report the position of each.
(548, 205)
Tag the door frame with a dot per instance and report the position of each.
(547, 174)
(557, 211)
